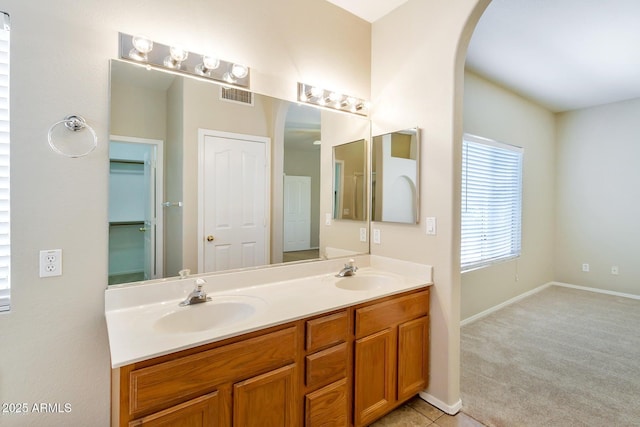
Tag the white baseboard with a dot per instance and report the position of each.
(597, 290)
(504, 304)
(449, 409)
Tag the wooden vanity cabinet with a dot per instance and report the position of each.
(241, 383)
(344, 368)
(391, 354)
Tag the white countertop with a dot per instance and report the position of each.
(284, 294)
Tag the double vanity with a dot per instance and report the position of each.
(288, 345)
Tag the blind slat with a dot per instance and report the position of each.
(5, 248)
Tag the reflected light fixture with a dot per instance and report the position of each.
(144, 51)
(315, 95)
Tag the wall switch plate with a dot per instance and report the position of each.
(431, 226)
(51, 263)
(363, 234)
(585, 267)
(327, 219)
(614, 270)
(376, 236)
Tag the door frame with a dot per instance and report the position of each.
(200, 235)
(158, 196)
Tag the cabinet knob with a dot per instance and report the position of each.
(210, 238)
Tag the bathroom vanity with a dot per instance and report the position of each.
(318, 350)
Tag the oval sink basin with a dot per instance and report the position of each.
(222, 311)
(364, 282)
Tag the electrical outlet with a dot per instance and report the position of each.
(51, 263)
(376, 236)
(614, 270)
(585, 267)
(363, 234)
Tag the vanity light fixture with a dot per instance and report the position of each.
(142, 50)
(334, 100)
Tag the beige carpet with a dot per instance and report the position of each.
(561, 357)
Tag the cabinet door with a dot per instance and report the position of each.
(199, 412)
(328, 407)
(413, 357)
(374, 376)
(267, 400)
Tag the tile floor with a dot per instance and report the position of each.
(418, 413)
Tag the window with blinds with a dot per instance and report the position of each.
(4, 164)
(491, 202)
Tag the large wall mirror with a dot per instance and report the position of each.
(395, 176)
(208, 178)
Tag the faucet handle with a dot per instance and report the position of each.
(200, 283)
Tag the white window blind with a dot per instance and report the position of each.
(491, 202)
(4, 164)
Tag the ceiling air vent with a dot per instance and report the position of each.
(232, 94)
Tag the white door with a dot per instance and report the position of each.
(232, 201)
(297, 213)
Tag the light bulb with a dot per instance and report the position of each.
(334, 96)
(178, 54)
(239, 71)
(316, 92)
(142, 44)
(141, 47)
(208, 63)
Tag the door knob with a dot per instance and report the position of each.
(142, 229)
(209, 238)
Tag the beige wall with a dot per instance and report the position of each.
(203, 109)
(306, 163)
(598, 208)
(496, 113)
(337, 129)
(418, 55)
(136, 110)
(54, 342)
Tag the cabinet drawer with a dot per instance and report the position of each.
(327, 365)
(199, 412)
(166, 384)
(327, 331)
(328, 407)
(380, 316)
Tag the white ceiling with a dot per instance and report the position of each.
(563, 54)
(369, 10)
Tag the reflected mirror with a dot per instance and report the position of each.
(349, 181)
(209, 178)
(395, 169)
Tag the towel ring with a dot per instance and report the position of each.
(74, 124)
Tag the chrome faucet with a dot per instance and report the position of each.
(348, 270)
(196, 296)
